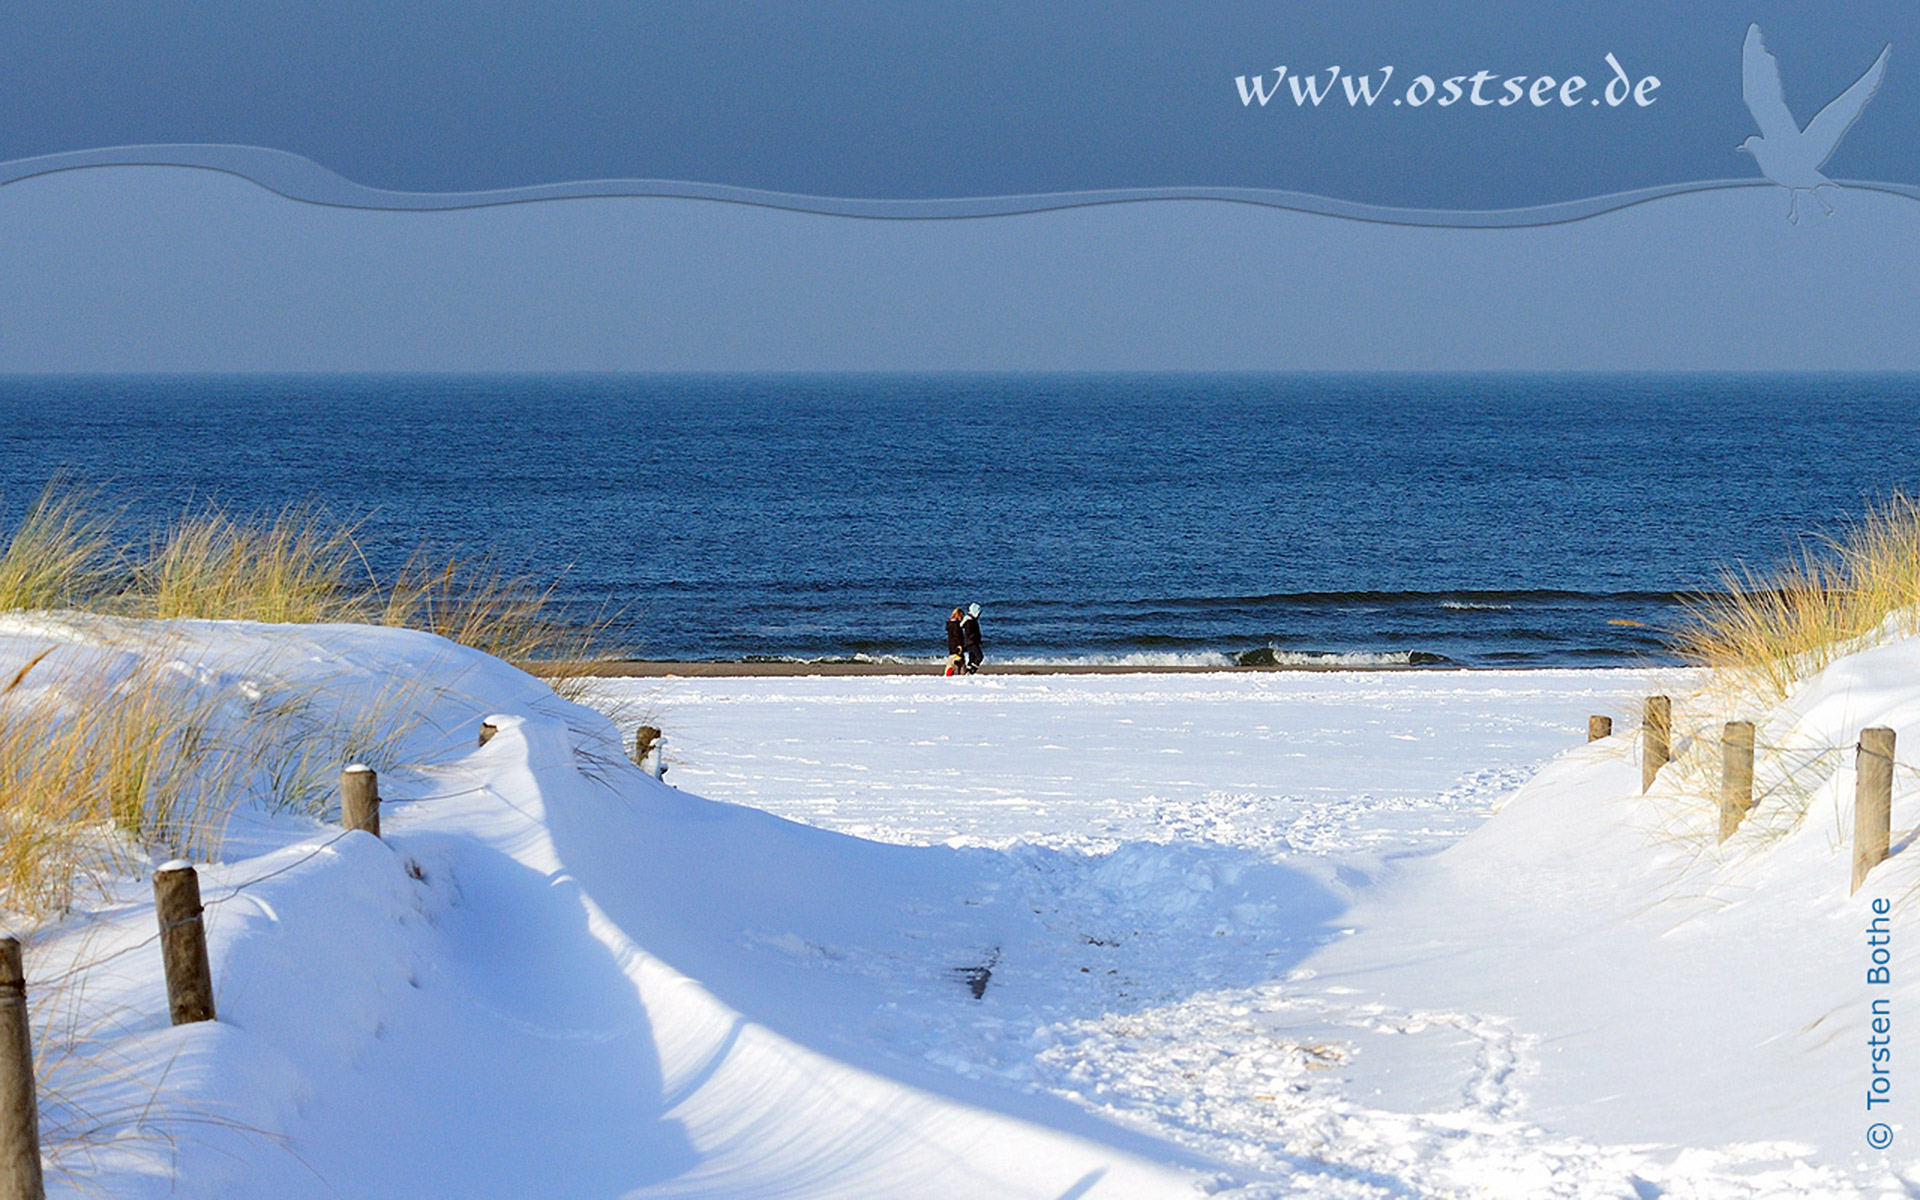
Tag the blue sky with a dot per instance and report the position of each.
(158, 268)
(935, 99)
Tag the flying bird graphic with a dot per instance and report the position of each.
(1788, 155)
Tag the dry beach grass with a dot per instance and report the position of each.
(60, 555)
(1763, 633)
(299, 565)
(126, 755)
(1760, 636)
(114, 753)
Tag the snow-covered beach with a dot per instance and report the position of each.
(1254, 934)
(482, 489)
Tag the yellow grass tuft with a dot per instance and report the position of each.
(129, 756)
(60, 555)
(478, 605)
(296, 567)
(299, 566)
(128, 759)
(107, 765)
(508, 616)
(1762, 635)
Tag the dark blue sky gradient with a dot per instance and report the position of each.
(904, 100)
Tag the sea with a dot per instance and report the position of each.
(1332, 520)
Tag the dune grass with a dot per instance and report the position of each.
(115, 754)
(111, 755)
(1763, 634)
(475, 603)
(301, 565)
(297, 566)
(114, 760)
(61, 553)
(129, 757)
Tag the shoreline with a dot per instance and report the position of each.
(667, 669)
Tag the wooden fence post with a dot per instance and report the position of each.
(183, 942)
(19, 1110)
(643, 740)
(1656, 738)
(1599, 727)
(1872, 801)
(360, 798)
(1736, 775)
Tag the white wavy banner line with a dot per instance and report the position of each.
(302, 179)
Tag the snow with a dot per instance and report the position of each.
(1270, 761)
(1253, 934)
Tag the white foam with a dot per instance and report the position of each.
(1149, 658)
(828, 659)
(1314, 658)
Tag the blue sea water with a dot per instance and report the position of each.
(1478, 520)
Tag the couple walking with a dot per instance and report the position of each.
(963, 641)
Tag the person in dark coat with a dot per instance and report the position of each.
(956, 645)
(970, 637)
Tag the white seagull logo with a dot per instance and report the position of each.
(1788, 155)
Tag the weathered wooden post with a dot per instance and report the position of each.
(1736, 775)
(1872, 801)
(19, 1109)
(360, 798)
(1599, 727)
(1656, 738)
(643, 740)
(183, 942)
(487, 730)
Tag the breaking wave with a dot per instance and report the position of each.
(1268, 656)
(1263, 656)
(1143, 658)
(887, 660)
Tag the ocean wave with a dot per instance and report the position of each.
(1269, 656)
(1143, 658)
(1455, 598)
(1264, 656)
(889, 660)
(1474, 606)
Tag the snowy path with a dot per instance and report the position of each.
(1180, 852)
(1237, 937)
